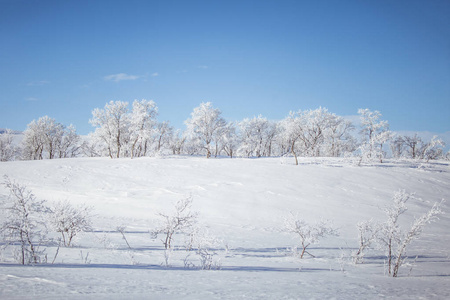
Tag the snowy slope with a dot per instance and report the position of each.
(242, 203)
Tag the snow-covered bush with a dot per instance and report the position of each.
(308, 234)
(390, 236)
(70, 220)
(181, 220)
(205, 247)
(23, 227)
(367, 234)
(395, 239)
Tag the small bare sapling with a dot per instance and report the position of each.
(181, 220)
(367, 234)
(70, 220)
(307, 233)
(393, 238)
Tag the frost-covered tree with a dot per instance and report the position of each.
(375, 133)
(257, 136)
(305, 131)
(204, 124)
(433, 149)
(397, 145)
(393, 238)
(177, 142)
(141, 128)
(308, 234)
(414, 147)
(46, 138)
(338, 139)
(413, 144)
(367, 234)
(34, 141)
(315, 124)
(230, 140)
(181, 220)
(112, 127)
(292, 132)
(70, 220)
(69, 145)
(8, 151)
(24, 226)
(390, 236)
(164, 134)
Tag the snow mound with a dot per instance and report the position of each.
(241, 202)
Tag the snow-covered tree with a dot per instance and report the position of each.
(230, 140)
(337, 137)
(70, 220)
(433, 149)
(204, 124)
(164, 134)
(34, 141)
(413, 144)
(69, 145)
(375, 133)
(46, 138)
(24, 224)
(397, 145)
(308, 234)
(141, 128)
(305, 132)
(177, 142)
(8, 150)
(256, 136)
(112, 127)
(414, 147)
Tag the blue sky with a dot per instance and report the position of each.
(65, 58)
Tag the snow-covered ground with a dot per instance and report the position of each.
(241, 202)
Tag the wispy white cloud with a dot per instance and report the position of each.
(120, 77)
(203, 67)
(38, 83)
(155, 74)
(31, 99)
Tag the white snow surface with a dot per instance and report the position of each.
(241, 202)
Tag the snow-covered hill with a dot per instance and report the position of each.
(241, 202)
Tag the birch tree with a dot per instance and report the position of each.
(142, 126)
(112, 127)
(204, 123)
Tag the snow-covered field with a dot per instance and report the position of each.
(241, 202)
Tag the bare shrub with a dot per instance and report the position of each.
(307, 233)
(181, 220)
(70, 220)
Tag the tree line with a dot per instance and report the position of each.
(121, 131)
